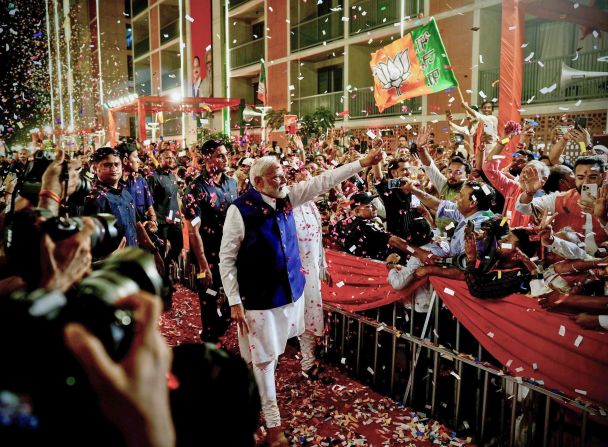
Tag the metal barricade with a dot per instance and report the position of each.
(464, 391)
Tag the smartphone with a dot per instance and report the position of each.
(581, 122)
(394, 183)
(413, 149)
(488, 128)
(589, 192)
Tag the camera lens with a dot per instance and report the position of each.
(105, 238)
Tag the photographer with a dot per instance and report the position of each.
(401, 206)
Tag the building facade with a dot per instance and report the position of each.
(316, 54)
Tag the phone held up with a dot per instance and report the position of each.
(589, 192)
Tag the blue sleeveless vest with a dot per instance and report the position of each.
(269, 271)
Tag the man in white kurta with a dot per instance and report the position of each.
(263, 333)
(312, 255)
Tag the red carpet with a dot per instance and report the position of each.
(343, 413)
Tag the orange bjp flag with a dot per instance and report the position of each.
(415, 65)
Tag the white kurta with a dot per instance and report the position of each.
(269, 329)
(310, 243)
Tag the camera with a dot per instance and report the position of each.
(41, 366)
(26, 228)
(394, 183)
(458, 261)
(32, 179)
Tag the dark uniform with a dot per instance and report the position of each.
(116, 201)
(208, 201)
(362, 237)
(163, 187)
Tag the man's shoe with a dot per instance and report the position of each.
(277, 438)
(312, 373)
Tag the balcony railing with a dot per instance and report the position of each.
(371, 14)
(363, 105)
(315, 31)
(536, 77)
(246, 54)
(308, 104)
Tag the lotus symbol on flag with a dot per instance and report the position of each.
(394, 72)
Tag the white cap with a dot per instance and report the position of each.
(600, 149)
(246, 161)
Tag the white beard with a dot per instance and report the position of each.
(282, 192)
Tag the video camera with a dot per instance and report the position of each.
(39, 366)
(26, 228)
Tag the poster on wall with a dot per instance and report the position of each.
(201, 53)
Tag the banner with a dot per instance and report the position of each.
(201, 62)
(415, 65)
(262, 85)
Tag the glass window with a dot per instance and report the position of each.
(170, 68)
(329, 80)
(129, 36)
(169, 21)
(143, 77)
(141, 35)
(257, 30)
(138, 6)
(130, 67)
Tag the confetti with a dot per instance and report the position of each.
(562, 330)
(211, 292)
(546, 90)
(340, 284)
(448, 291)
(529, 57)
(578, 341)
(189, 19)
(583, 392)
(491, 334)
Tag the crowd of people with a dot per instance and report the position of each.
(489, 206)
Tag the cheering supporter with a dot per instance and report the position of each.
(472, 203)
(448, 186)
(575, 214)
(506, 186)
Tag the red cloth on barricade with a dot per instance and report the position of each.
(360, 284)
(521, 334)
(514, 329)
